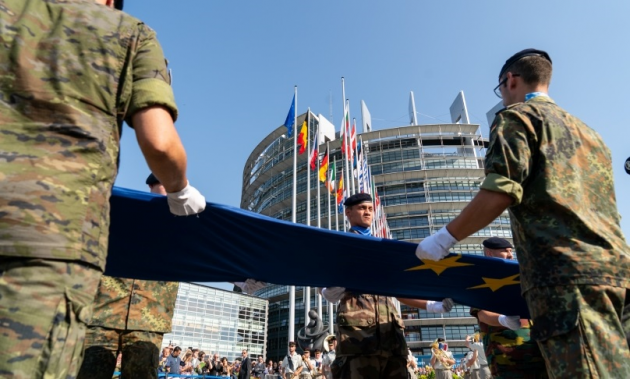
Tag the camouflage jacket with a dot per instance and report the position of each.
(565, 221)
(369, 325)
(72, 71)
(510, 352)
(128, 304)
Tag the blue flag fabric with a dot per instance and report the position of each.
(290, 118)
(228, 244)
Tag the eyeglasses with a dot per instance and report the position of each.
(497, 90)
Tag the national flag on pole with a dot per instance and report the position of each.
(290, 118)
(331, 179)
(323, 167)
(353, 137)
(303, 135)
(339, 195)
(314, 154)
(345, 127)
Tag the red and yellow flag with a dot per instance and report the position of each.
(339, 196)
(302, 136)
(323, 167)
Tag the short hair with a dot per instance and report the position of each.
(533, 70)
(177, 348)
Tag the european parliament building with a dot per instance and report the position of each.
(425, 175)
(215, 320)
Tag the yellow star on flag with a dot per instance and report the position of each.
(439, 266)
(495, 284)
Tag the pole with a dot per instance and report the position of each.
(294, 219)
(307, 290)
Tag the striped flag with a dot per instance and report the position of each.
(323, 167)
(314, 154)
(331, 179)
(303, 135)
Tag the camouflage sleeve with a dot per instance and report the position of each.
(508, 159)
(151, 79)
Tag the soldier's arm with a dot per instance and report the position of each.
(492, 318)
(507, 166)
(472, 360)
(161, 146)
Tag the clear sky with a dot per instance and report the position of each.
(235, 64)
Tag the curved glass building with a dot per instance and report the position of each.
(425, 175)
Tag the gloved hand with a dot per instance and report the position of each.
(186, 202)
(510, 322)
(443, 306)
(436, 246)
(333, 294)
(251, 285)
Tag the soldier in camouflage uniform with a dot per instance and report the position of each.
(554, 173)
(510, 351)
(72, 71)
(130, 316)
(370, 339)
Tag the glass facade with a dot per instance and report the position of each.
(425, 175)
(216, 320)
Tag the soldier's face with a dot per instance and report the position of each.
(498, 253)
(360, 214)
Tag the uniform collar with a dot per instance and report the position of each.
(361, 230)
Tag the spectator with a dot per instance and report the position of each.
(259, 367)
(225, 367)
(215, 366)
(173, 361)
(246, 366)
(165, 353)
(186, 364)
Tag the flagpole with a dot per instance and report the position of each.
(328, 182)
(307, 290)
(294, 219)
(336, 210)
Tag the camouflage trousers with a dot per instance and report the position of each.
(580, 331)
(44, 306)
(140, 353)
(370, 367)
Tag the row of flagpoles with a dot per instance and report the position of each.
(355, 177)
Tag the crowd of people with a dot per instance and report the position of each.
(174, 360)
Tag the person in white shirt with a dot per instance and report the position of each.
(443, 361)
(292, 363)
(479, 356)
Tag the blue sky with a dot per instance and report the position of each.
(235, 64)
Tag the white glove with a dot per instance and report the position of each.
(251, 285)
(510, 322)
(186, 202)
(333, 294)
(443, 306)
(435, 247)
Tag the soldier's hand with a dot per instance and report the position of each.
(436, 247)
(186, 202)
(333, 294)
(251, 285)
(440, 306)
(510, 322)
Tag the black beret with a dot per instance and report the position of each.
(497, 243)
(523, 54)
(357, 198)
(152, 180)
(118, 4)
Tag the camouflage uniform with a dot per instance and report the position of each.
(574, 261)
(72, 71)
(130, 316)
(370, 339)
(511, 353)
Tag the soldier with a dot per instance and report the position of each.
(130, 316)
(554, 173)
(370, 339)
(509, 350)
(378, 348)
(73, 71)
